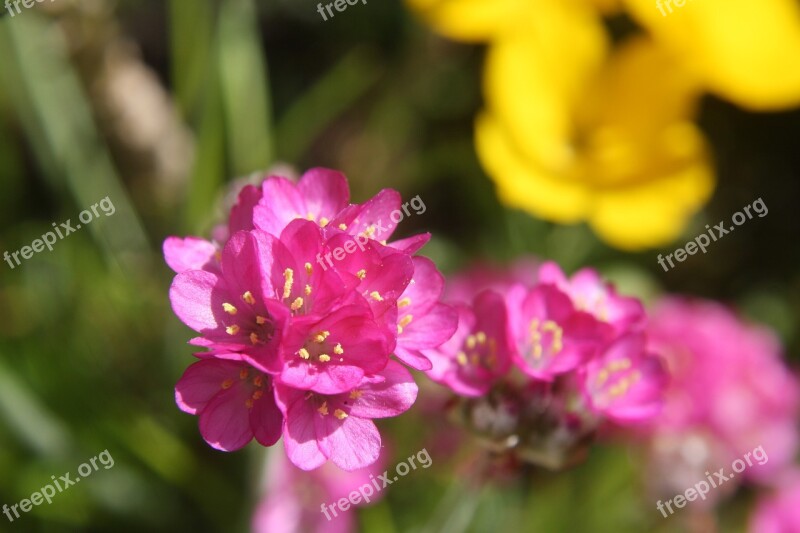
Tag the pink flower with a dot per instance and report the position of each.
(339, 427)
(318, 196)
(478, 354)
(550, 336)
(191, 253)
(463, 286)
(234, 308)
(590, 293)
(625, 383)
(730, 391)
(423, 323)
(234, 403)
(293, 499)
(780, 511)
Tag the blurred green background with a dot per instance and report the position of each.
(158, 105)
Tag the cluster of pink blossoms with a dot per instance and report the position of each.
(299, 343)
(547, 358)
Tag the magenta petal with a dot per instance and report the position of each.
(430, 330)
(241, 218)
(225, 421)
(191, 253)
(425, 290)
(391, 397)
(325, 192)
(299, 432)
(413, 358)
(411, 245)
(281, 203)
(202, 381)
(375, 214)
(354, 444)
(266, 419)
(194, 294)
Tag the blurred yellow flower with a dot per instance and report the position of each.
(577, 129)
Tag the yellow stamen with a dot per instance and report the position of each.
(231, 310)
(307, 290)
(406, 320)
(232, 330)
(355, 394)
(375, 295)
(248, 403)
(481, 337)
(324, 358)
(320, 337)
(248, 297)
(259, 381)
(370, 231)
(341, 415)
(296, 304)
(342, 227)
(405, 302)
(461, 358)
(470, 342)
(361, 274)
(323, 222)
(310, 215)
(254, 338)
(260, 319)
(309, 268)
(323, 409)
(302, 352)
(258, 394)
(288, 277)
(338, 350)
(243, 373)
(227, 384)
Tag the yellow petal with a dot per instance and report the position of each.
(743, 50)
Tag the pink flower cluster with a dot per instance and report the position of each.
(573, 335)
(297, 346)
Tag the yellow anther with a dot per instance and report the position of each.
(470, 342)
(258, 394)
(405, 302)
(323, 222)
(342, 227)
(231, 310)
(243, 373)
(481, 337)
(406, 320)
(288, 277)
(320, 337)
(375, 295)
(399, 329)
(341, 415)
(258, 381)
(248, 297)
(324, 358)
(296, 304)
(309, 268)
(254, 338)
(310, 215)
(232, 330)
(260, 319)
(323, 409)
(361, 274)
(307, 290)
(355, 394)
(227, 384)
(302, 352)
(248, 403)
(461, 358)
(338, 350)
(370, 231)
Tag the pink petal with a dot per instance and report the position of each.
(281, 203)
(411, 245)
(376, 212)
(266, 419)
(194, 295)
(430, 330)
(191, 253)
(241, 218)
(325, 192)
(391, 397)
(299, 431)
(225, 421)
(425, 290)
(202, 381)
(351, 444)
